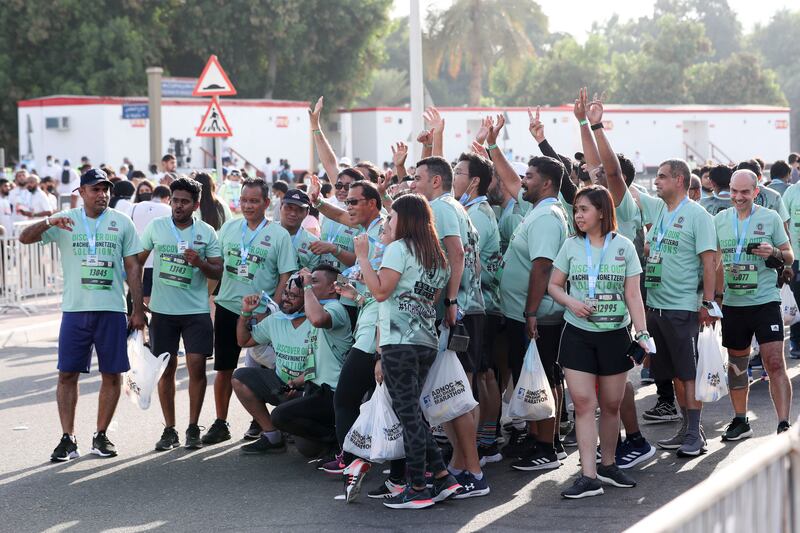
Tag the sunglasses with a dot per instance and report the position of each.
(339, 186)
(353, 201)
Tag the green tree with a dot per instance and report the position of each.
(739, 79)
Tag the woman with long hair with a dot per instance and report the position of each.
(212, 211)
(603, 270)
(144, 191)
(412, 273)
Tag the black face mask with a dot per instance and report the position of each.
(145, 196)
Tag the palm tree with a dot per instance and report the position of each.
(477, 33)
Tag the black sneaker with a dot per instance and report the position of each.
(662, 412)
(738, 429)
(67, 449)
(410, 499)
(263, 446)
(583, 488)
(783, 425)
(561, 453)
(471, 487)
(218, 432)
(445, 487)
(193, 440)
(253, 432)
(539, 460)
(612, 475)
(523, 444)
(168, 440)
(387, 489)
(102, 446)
(570, 440)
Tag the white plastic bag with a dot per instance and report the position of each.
(359, 439)
(260, 355)
(146, 369)
(446, 394)
(789, 306)
(532, 399)
(387, 432)
(711, 381)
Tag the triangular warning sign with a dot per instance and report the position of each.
(213, 81)
(214, 123)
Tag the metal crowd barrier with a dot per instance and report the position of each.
(27, 271)
(759, 492)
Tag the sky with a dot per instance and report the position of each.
(562, 13)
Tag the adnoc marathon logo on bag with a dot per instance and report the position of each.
(393, 433)
(363, 442)
(444, 393)
(531, 396)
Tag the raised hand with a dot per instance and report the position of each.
(313, 114)
(580, 105)
(384, 181)
(479, 149)
(594, 113)
(400, 153)
(250, 303)
(425, 137)
(314, 189)
(494, 130)
(62, 223)
(483, 131)
(434, 119)
(535, 125)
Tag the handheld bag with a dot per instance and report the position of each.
(446, 394)
(146, 370)
(711, 381)
(532, 398)
(387, 432)
(791, 316)
(359, 439)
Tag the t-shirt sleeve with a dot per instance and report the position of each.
(147, 236)
(562, 260)
(262, 333)
(779, 236)
(338, 314)
(287, 258)
(781, 208)
(717, 228)
(650, 207)
(130, 240)
(633, 267)
(705, 234)
(545, 242)
(394, 257)
(213, 249)
(446, 221)
(52, 235)
(627, 209)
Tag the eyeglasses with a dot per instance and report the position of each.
(353, 201)
(339, 186)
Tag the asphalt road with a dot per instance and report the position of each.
(217, 489)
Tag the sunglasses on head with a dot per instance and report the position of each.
(339, 186)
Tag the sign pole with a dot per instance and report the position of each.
(154, 103)
(218, 159)
(415, 78)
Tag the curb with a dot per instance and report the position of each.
(36, 332)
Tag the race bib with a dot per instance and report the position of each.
(609, 310)
(741, 279)
(97, 275)
(175, 271)
(242, 268)
(652, 272)
(182, 246)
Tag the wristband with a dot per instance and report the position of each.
(583, 122)
(318, 203)
(359, 299)
(387, 197)
(529, 314)
(47, 222)
(306, 287)
(338, 250)
(428, 146)
(492, 147)
(642, 335)
(598, 126)
(316, 131)
(247, 314)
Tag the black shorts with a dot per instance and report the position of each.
(602, 353)
(471, 359)
(547, 344)
(675, 335)
(352, 312)
(263, 382)
(493, 326)
(147, 283)
(226, 347)
(739, 324)
(197, 332)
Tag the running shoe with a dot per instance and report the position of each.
(168, 440)
(410, 499)
(516, 440)
(387, 489)
(353, 476)
(539, 460)
(446, 487)
(783, 425)
(662, 412)
(755, 362)
(520, 448)
(583, 488)
(218, 432)
(335, 466)
(489, 454)
(738, 429)
(193, 440)
(612, 475)
(570, 440)
(472, 486)
(253, 432)
(561, 453)
(263, 446)
(630, 454)
(102, 446)
(693, 445)
(674, 442)
(67, 449)
(646, 378)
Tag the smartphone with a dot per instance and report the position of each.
(636, 352)
(752, 246)
(342, 280)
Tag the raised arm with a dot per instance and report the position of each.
(610, 161)
(587, 139)
(536, 127)
(425, 138)
(33, 233)
(508, 176)
(324, 150)
(331, 211)
(436, 123)
(399, 156)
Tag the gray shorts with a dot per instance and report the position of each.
(263, 382)
(675, 334)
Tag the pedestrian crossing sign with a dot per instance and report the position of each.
(214, 123)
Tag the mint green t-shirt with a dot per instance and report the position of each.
(451, 219)
(771, 199)
(673, 283)
(523, 207)
(791, 198)
(755, 284)
(716, 202)
(629, 218)
(339, 234)
(507, 223)
(178, 287)
(270, 254)
(570, 211)
(484, 221)
(408, 316)
(292, 345)
(301, 243)
(89, 286)
(540, 235)
(330, 346)
(367, 322)
(618, 263)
